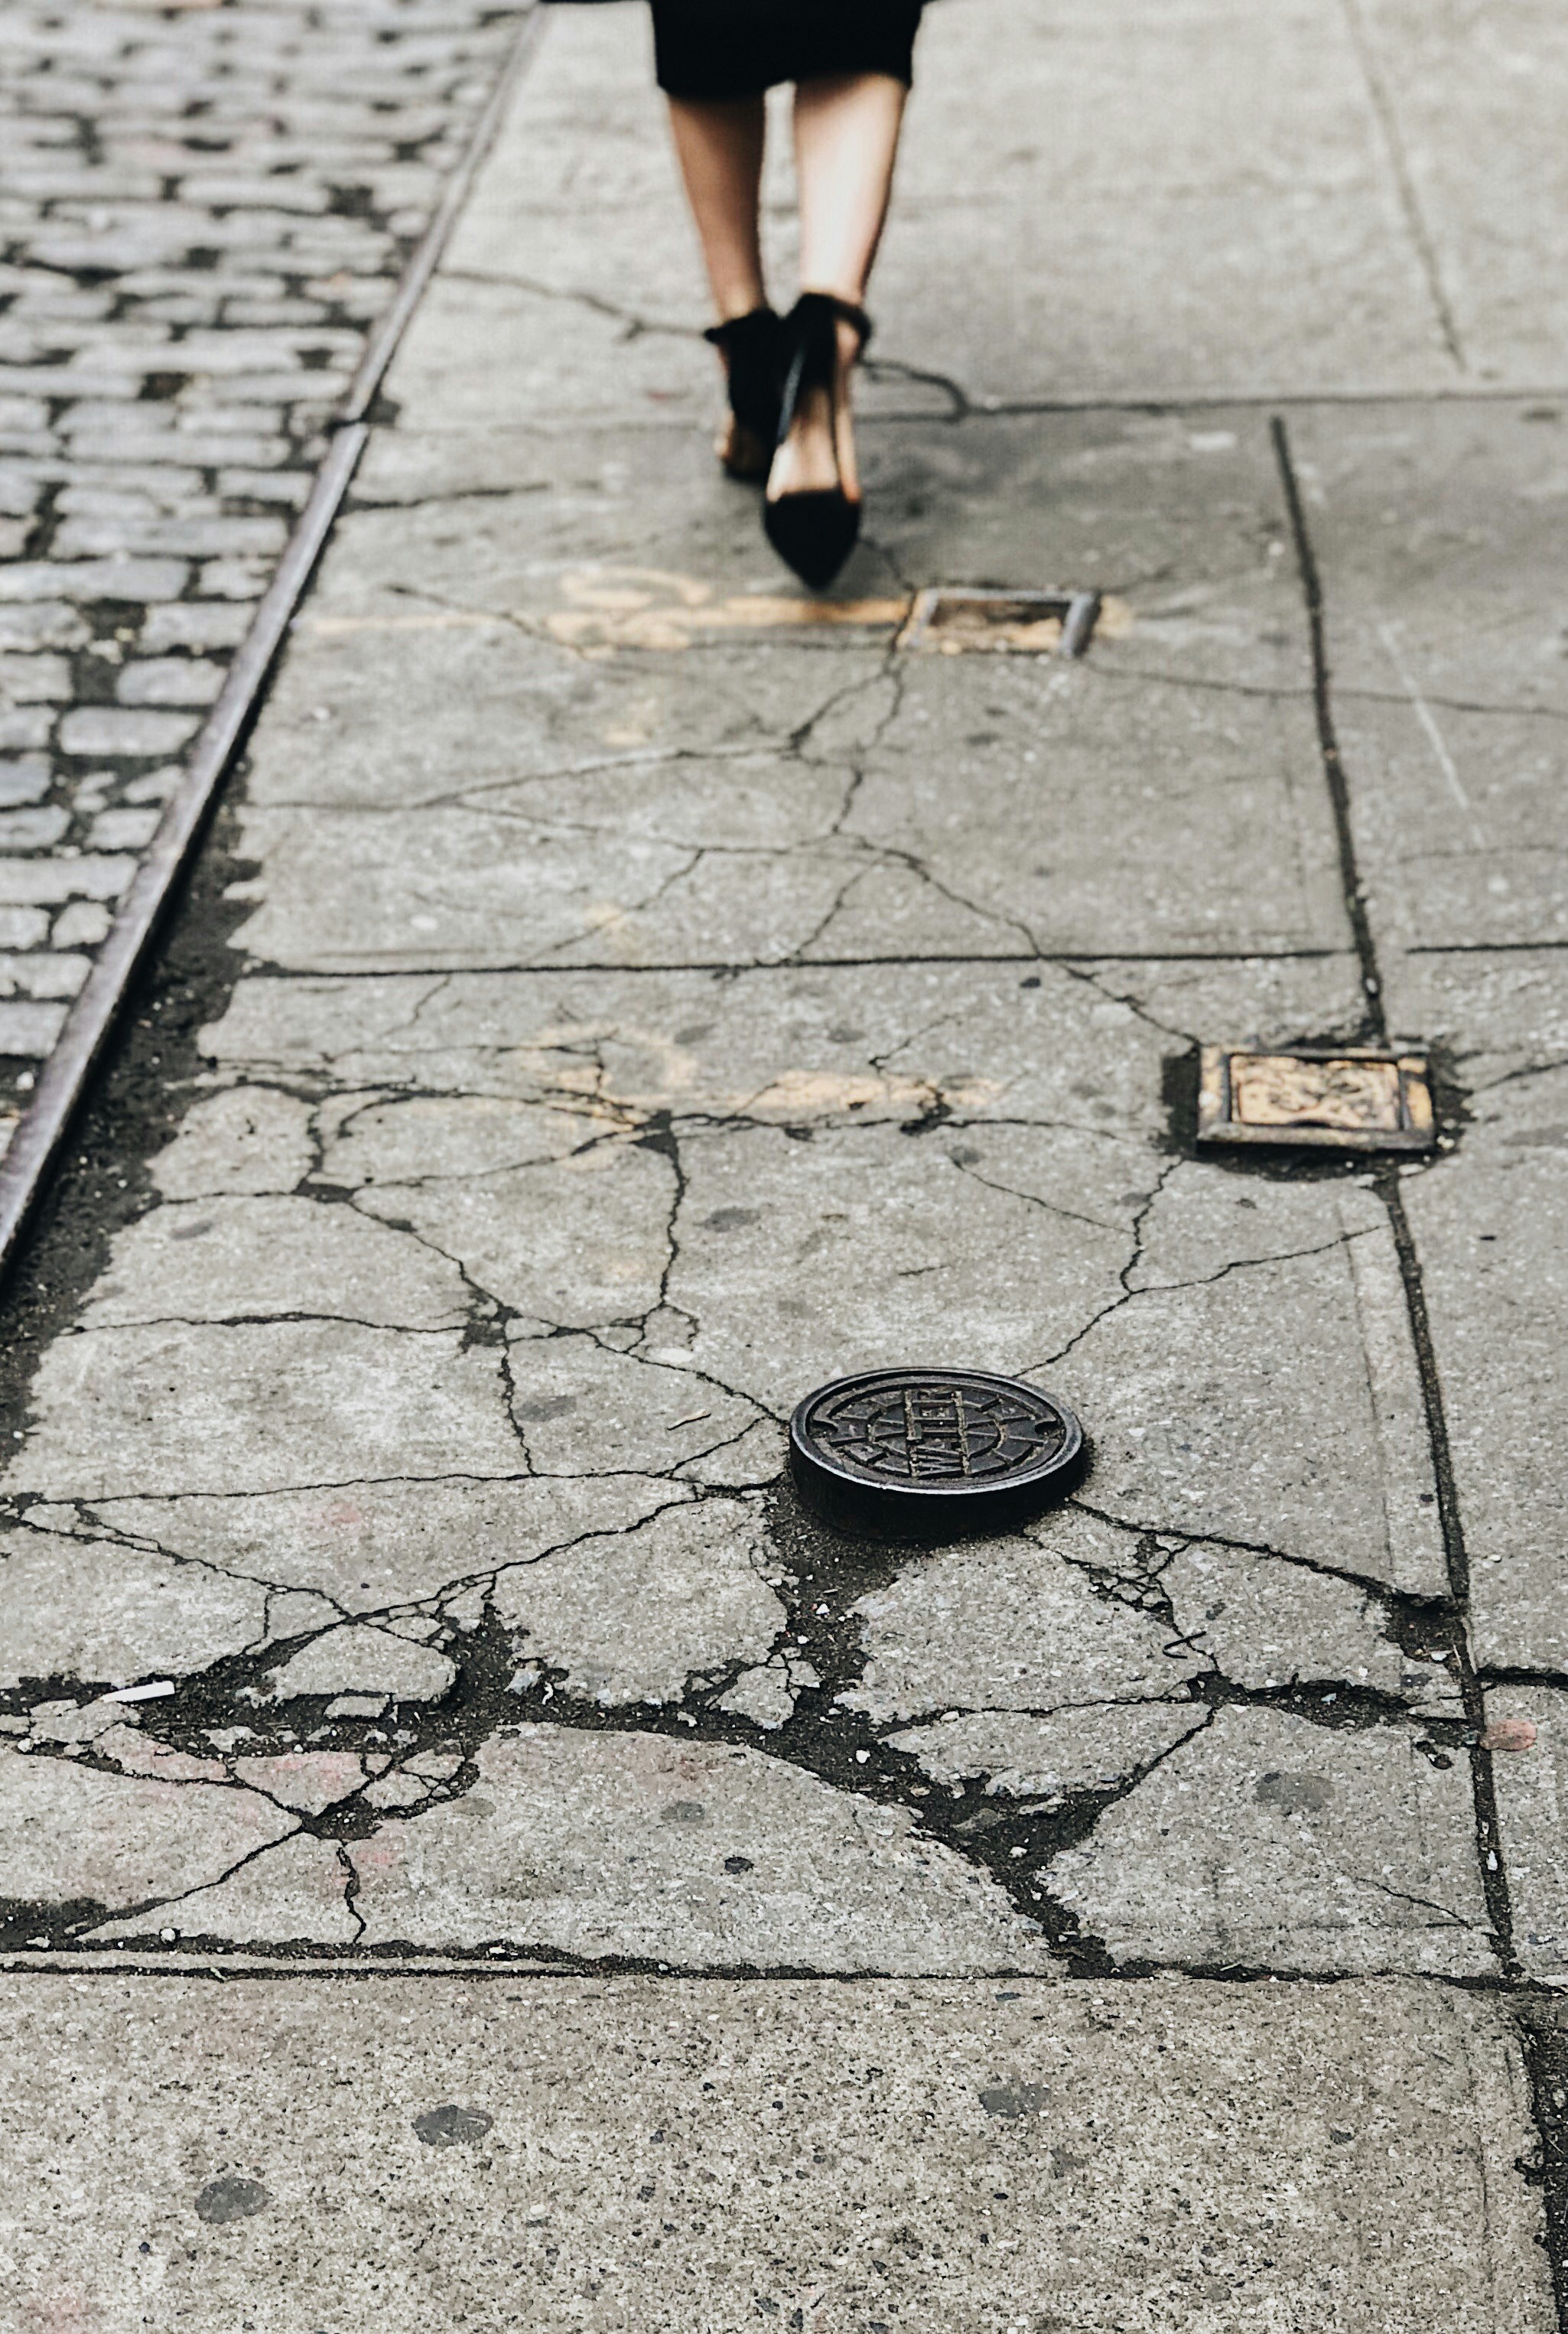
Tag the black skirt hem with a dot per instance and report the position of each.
(710, 50)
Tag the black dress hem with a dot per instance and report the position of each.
(711, 49)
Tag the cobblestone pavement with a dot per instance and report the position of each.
(204, 208)
(620, 996)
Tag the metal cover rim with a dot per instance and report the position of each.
(1218, 1124)
(823, 1469)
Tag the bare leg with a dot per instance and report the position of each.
(719, 144)
(846, 143)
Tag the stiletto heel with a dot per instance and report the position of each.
(752, 347)
(813, 529)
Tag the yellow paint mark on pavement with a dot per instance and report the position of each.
(607, 609)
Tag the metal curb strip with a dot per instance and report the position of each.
(64, 1079)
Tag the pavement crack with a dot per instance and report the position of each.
(1131, 1295)
(637, 326)
(1334, 776)
(1521, 1076)
(1094, 979)
(1380, 97)
(1370, 1585)
(961, 405)
(350, 1888)
(1421, 1903)
(1032, 1200)
(151, 1904)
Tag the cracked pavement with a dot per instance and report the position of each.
(616, 997)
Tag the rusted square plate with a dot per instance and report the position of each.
(1353, 1098)
(957, 620)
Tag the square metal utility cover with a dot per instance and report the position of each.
(1349, 1098)
(955, 620)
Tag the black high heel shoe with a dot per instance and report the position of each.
(813, 529)
(752, 349)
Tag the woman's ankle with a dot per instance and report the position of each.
(853, 294)
(742, 298)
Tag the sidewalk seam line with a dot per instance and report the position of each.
(1488, 1840)
(1380, 99)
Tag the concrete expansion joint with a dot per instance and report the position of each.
(1488, 1836)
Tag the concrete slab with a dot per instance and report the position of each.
(632, 1618)
(1184, 766)
(1083, 1748)
(1267, 1842)
(1434, 538)
(1014, 1624)
(294, 1894)
(1457, 92)
(1528, 1725)
(634, 1846)
(356, 1659)
(1265, 1625)
(1455, 807)
(364, 1547)
(89, 1608)
(257, 1139)
(1434, 530)
(705, 2156)
(264, 1406)
(1490, 1226)
(215, 1260)
(76, 1837)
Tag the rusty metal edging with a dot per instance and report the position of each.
(1079, 610)
(66, 1073)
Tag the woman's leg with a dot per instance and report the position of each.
(846, 139)
(719, 144)
(846, 142)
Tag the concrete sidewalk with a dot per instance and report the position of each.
(556, 1882)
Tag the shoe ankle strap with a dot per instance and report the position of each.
(845, 311)
(740, 328)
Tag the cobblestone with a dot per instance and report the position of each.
(24, 928)
(95, 580)
(63, 878)
(24, 726)
(48, 624)
(169, 681)
(33, 830)
(205, 210)
(194, 624)
(137, 733)
(29, 1028)
(23, 778)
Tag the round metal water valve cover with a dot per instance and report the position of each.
(924, 1453)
